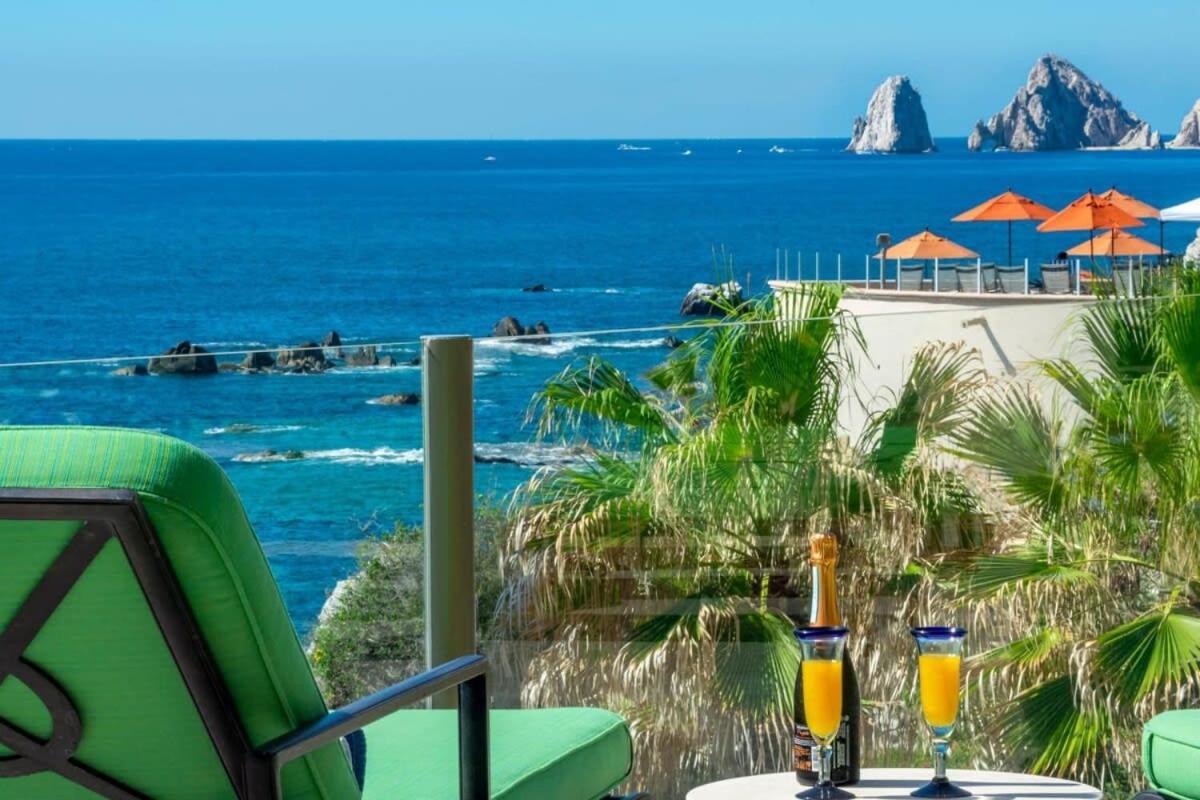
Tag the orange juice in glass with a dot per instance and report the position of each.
(939, 671)
(821, 652)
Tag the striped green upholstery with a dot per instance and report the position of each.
(1171, 753)
(102, 646)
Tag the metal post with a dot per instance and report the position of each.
(1078, 276)
(979, 275)
(1027, 276)
(936, 272)
(786, 255)
(448, 414)
(473, 766)
(839, 267)
(818, 267)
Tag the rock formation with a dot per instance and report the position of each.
(1060, 108)
(401, 399)
(307, 357)
(895, 121)
(363, 357)
(705, 299)
(135, 369)
(511, 326)
(257, 361)
(184, 358)
(1189, 129)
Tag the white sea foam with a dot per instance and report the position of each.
(631, 147)
(777, 149)
(524, 454)
(342, 455)
(48, 393)
(234, 344)
(562, 346)
(244, 428)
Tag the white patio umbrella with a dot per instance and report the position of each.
(1184, 212)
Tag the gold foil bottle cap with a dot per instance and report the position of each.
(823, 548)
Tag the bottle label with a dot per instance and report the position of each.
(805, 749)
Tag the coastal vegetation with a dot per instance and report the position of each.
(661, 573)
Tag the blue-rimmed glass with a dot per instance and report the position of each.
(939, 660)
(821, 652)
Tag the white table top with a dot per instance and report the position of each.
(895, 784)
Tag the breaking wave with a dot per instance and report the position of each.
(240, 428)
(522, 454)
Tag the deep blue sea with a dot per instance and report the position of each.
(124, 248)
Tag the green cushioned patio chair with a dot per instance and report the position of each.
(145, 653)
(1171, 755)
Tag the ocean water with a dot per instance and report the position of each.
(124, 248)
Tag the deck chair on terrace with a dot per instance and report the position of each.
(911, 277)
(145, 654)
(947, 277)
(1056, 278)
(1010, 280)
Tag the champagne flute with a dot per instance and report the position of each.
(821, 649)
(939, 654)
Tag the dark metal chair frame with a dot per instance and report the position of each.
(254, 773)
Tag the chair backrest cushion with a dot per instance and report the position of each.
(103, 647)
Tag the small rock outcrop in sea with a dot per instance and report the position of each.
(895, 121)
(672, 342)
(511, 326)
(1189, 130)
(537, 287)
(363, 357)
(1191, 256)
(400, 399)
(1061, 108)
(307, 357)
(258, 361)
(706, 300)
(184, 358)
(333, 341)
(135, 369)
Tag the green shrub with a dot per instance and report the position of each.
(373, 634)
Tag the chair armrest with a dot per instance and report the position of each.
(468, 673)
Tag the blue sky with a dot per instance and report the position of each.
(558, 68)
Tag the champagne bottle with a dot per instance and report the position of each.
(847, 759)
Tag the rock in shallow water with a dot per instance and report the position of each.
(1061, 108)
(511, 326)
(184, 358)
(307, 357)
(400, 399)
(895, 121)
(706, 300)
(136, 369)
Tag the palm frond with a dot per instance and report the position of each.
(1156, 649)
(1048, 726)
(597, 392)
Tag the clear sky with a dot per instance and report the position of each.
(559, 68)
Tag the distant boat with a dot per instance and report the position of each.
(631, 147)
(489, 158)
(777, 149)
(686, 153)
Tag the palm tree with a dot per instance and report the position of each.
(667, 571)
(1097, 582)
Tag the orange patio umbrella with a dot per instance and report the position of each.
(1129, 203)
(926, 246)
(1090, 213)
(1116, 242)
(1007, 207)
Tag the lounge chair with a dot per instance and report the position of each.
(1010, 280)
(911, 277)
(157, 660)
(1170, 748)
(1056, 278)
(947, 278)
(971, 279)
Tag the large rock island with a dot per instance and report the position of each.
(895, 121)
(1189, 130)
(1061, 108)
